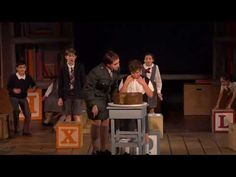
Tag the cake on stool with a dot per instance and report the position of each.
(128, 98)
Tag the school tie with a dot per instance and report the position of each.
(147, 70)
(72, 78)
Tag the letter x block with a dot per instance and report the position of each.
(221, 119)
(69, 135)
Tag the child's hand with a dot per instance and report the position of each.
(141, 81)
(60, 102)
(160, 96)
(228, 107)
(44, 98)
(216, 107)
(95, 110)
(17, 90)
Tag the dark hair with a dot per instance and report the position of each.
(135, 65)
(69, 51)
(110, 57)
(20, 62)
(226, 77)
(149, 53)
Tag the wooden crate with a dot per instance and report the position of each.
(35, 104)
(199, 99)
(221, 118)
(154, 143)
(155, 123)
(69, 135)
(4, 126)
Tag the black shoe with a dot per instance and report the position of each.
(27, 134)
(47, 124)
(96, 153)
(125, 153)
(106, 152)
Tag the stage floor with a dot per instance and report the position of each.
(180, 138)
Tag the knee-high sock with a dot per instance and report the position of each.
(104, 137)
(95, 134)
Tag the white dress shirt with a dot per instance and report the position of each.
(134, 86)
(157, 78)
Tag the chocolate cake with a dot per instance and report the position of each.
(128, 98)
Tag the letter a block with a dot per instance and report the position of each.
(221, 119)
(69, 135)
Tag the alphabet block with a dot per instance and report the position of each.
(221, 119)
(69, 135)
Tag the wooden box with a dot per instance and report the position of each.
(155, 122)
(4, 126)
(232, 136)
(35, 104)
(221, 119)
(69, 135)
(5, 103)
(199, 99)
(154, 143)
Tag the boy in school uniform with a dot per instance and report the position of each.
(18, 85)
(228, 86)
(70, 86)
(152, 72)
(136, 83)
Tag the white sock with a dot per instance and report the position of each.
(137, 150)
(127, 149)
(147, 148)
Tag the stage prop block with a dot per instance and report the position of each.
(69, 135)
(221, 119)
(35, 104)
(154, 143)
(155, 122)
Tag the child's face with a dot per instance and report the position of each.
(115, 65)
(224, 82)
(21, 69)
(136, 74)
(148, 60)
(70, 58)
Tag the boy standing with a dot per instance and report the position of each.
(151, 71)
(18, 85)
(70, 86)
(228, 86)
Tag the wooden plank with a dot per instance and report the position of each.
(84, 150)
(164, 145)
(194, 146)
(209, 146)
(177, 145)
(221, 140)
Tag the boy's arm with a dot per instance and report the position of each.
(148, 88)
(219, 97)
(158, 80)
(232, 100)
(124, 87)
(48, 91)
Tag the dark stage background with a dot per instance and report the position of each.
(179, 47)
